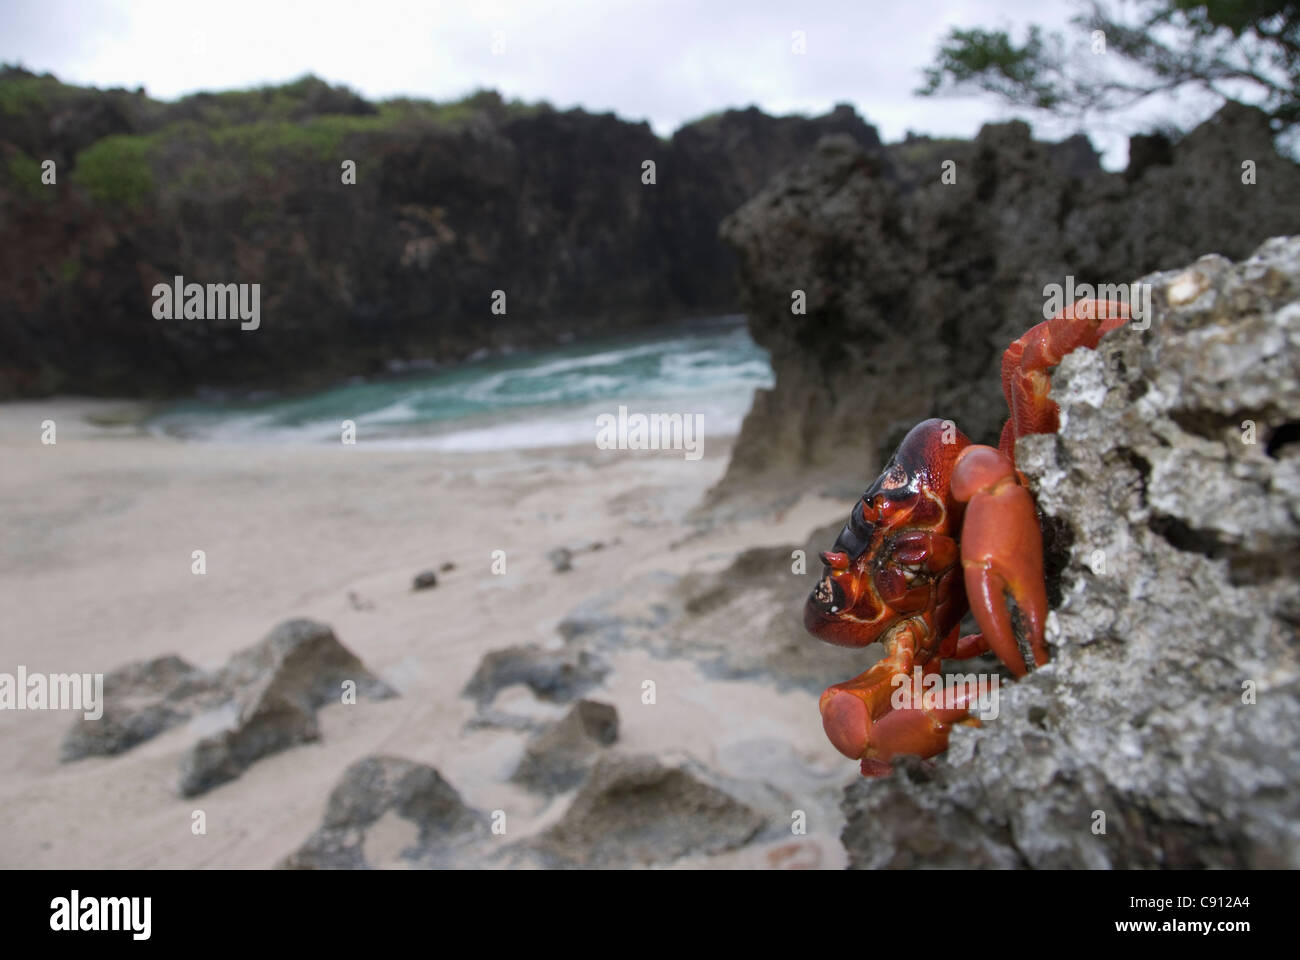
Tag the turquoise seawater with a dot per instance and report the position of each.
(524, 399)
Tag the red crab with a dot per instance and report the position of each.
(943, 506)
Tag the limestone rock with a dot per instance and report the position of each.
(386, 811)
(263, 700)
(382, 276)
(557, 758)
(914, 287)
(558, 675)
(141, 700)
(637, 811)
(1172, 702)
(279, 683)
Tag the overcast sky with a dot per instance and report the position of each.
(666, 62)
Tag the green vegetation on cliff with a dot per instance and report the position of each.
(137, 149)
(23, 176)
(115, 171)
(23, 93)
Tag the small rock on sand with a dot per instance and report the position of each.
(385, 811)
(140, 701)
(558, 757)
(271, 691)
(635, 811)
(557, 675)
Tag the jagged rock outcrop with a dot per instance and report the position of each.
(1171, 707)
(387, 812)
(263, 700)
(915, 286)
(279, 685)
(450, 202)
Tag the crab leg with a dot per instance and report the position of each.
(917, 731)
(849, 709)
(971, 645)
(1001, 555)
(861, 722)
(1025, 383)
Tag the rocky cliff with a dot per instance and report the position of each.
(914, 285)
(450, 203)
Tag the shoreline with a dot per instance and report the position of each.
(403, 370)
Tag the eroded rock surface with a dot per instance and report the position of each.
(1172, 703)
(141, 700)
(278, 685)
(386, 811)
(558, 757)
(638, 810)
(557, 675)
(263, 700)
(915, 286)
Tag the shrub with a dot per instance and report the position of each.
(115, 171)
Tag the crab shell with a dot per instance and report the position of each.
(878, 574)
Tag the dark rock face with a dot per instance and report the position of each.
(1172, 703)
(440, 824)
(548, 207)
(558, 757)
(714, 166)
(635, 811)
(262, 701)
(914, 287)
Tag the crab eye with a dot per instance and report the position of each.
(894, 477)
(896, 482)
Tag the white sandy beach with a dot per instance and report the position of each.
(96, 537)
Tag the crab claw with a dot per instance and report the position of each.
(1002, 556)
(1025, 363)
(847, 722)
(876, 735)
